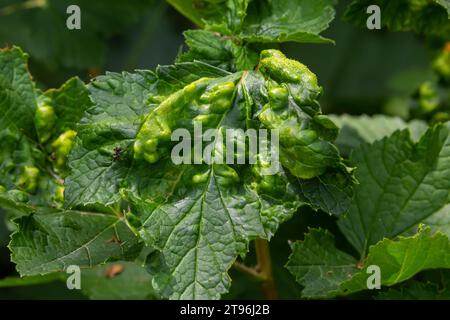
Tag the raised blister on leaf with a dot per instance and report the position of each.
(44, 121)
(62, 147)
(28, 179)
(158, 125)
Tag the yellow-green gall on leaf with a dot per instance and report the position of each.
(272, 53)
(44, 120)
(278, 97)
(59, 194)
(227, 175)
(219, 96)
(206, 119)
(220, 90)
(441, 117)
(146, 149)
(325, 127)
(305, 137)
(201, 177)
(157, 126)
(62, 147)
(442, 65)
(28, 179)
(275, 64)
(428, 97)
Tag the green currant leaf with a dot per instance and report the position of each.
(215, 209)
(51, 240)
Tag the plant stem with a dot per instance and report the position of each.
(264, 264)
(253, 272)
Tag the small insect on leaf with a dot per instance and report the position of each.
(117, 153)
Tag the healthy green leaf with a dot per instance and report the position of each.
(287, 20)
(264, 21)
(120, 280)
(52, 240)
(331, 192)
(415, 291)
(359, 129)
(207, 11)
(440, 220)
(401, 259)
(325, 271)
(407, 187)
(401, 184)
(318, 265)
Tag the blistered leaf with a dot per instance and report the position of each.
(213, 208)
(69, 102)
(110, 127)
(33, 141)
(17, 95)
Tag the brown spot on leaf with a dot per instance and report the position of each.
(360, 265)
(114, 270)
(114, 239)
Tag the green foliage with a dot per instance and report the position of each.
(32, 160)
(262, 21)
(325, 271)
(41, 245)
(92, 174)
(233, 40)
(406, 188)
(180, 202)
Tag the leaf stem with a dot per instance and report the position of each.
(265, 269)
(262, 272)
(253, 272)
